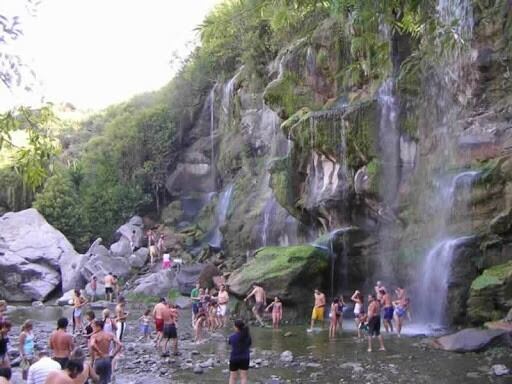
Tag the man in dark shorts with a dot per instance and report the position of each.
(61, 343)
(374, 322)
(100, 345)
(170, 317)
(387, 304)
(261, 302)
(109, 286)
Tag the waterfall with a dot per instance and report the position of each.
(431, 299)
(338, 258)
(267, 215)
(389, 174)
(220, 216)
(211, 104)
(434, 272)
(389, 141)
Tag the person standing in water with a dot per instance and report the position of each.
(334, 318)
(261, 302)
(26, 348)
(121, 316)
(61, 342)
(101, 355)
(318, 309)
(78, 303)
(239, 358)
(374, 322)
(277, 312)
(387, 304)
(401, 309)
(358, 300)
(222, 308)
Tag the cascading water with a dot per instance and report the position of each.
(435, 270)
(447, 95)
(431, 301)
(338, 257)
(389, 149)
(220, 216)
(211, 103)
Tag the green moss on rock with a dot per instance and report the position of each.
(288, 272)
(491, 294)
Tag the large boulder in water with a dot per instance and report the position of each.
(469, 340)
(490, 294)
(188, 277)
(34, 256)
(156, 284)
(288, 272)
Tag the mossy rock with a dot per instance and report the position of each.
(288, 272)
(288, 94)
(172, 214)
(491, 294)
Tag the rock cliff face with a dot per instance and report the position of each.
(408, 161)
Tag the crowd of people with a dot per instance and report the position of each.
(63, 359)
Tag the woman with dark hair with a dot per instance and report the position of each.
(240, 343)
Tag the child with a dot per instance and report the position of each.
(145, 319)
(334, 318)
(277, 312)
(199, 322)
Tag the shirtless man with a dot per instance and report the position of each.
(61, 343)
(73, 369)
(261, 301)
(109, 286)
(100, 351)
(159, 320)
(318, 309)
(170, 317)
(121, 316)
(222, 300)
(374, 322)
(387, 304)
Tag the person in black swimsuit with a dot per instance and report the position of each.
(5, 328)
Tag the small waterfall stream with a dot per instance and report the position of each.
(435, 270)
(220, 216)
(338, 258)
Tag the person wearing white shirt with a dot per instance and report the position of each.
(39, 371)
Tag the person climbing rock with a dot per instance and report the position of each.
(261, 301)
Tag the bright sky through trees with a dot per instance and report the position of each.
(96, 52)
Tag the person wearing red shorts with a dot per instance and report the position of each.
(159, 319)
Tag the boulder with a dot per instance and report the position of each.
(121, 247)
(469, 340)
(124, 234)
(66, 298)
(188, 276)
(156, 284)
(207, 275)
(35, 258)
(138, 258)
(101, 264)
(490, 293)
(288, 272)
